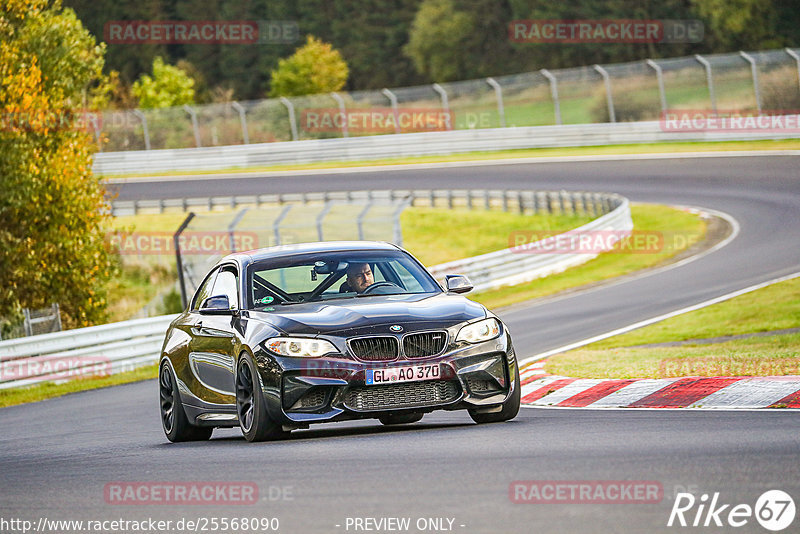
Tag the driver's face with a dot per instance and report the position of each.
(359, 277)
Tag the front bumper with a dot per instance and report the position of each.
(300, 391)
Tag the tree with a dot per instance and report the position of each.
(169, 86)
(314, 68)
(53, 213)
(437, 39)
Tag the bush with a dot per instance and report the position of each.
(780, 90)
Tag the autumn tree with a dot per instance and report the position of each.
(52, 208)
(314, 68)
(168, 86)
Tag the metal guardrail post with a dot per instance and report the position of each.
(554, 93)
(292, 119)
(796, 58)
(393, 99)
(232, 227)
(179, 260)
(498, 91)
(660, 76)
(398, 231)
(360, 220)
(193, 114)
(709, 79)
(342, 113)
(754, 71)
(137, 113)
(321, 217)
(445, 103)
(276, 225)
(609, 97)
(243, 120)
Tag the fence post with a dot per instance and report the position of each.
(360, 220)
(393, 99)
(276, 225)
(193, 114)
(710, 79)
(179, 260)
(398, 231)
(796, 58)
(342, 112)
(445, 103)
(321, 217)
(554, 93)
(609, 97)
(57, 314)
(498, 91)
(28, 327)
(231, 227)
(292, 120)
(239, 109)
(142, 118)
(660, 76)
(754, 70)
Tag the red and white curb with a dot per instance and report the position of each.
(542, 390)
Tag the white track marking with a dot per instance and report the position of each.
(570, 390)
(749, 393)
(633, 392)
(454, 164)
(659, 318)
(527, 389)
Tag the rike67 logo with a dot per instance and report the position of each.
(774, 510)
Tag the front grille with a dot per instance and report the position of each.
(377, 348)
(424, 344)
(411, 394)
(313, 399)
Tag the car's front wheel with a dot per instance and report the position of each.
(509, 410)
(251, 406)
(173, 417)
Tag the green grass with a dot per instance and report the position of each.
(644, 148)
(437, 236)
(10, 397)
(757, 356)
(646, 217)
(776, 307)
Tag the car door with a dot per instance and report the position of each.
(212, 355)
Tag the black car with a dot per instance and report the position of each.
(279, 338)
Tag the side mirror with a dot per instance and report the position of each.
(457, 283)
(217, 305)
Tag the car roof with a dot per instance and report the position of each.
(282, 251)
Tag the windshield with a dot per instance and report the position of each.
(335, 275)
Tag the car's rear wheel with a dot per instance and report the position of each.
(173, 417)
(400, 418)
(251, 406)
(509, 410)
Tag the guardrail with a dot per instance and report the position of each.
(409, 144)
(116, 347)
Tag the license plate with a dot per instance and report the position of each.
(394, 375)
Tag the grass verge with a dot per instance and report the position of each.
(680, 229)
(776, 307)
(646, 148)
(10, 397)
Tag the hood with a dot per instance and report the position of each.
(360, 315)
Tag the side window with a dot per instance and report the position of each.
(227, 284)
(205, 290)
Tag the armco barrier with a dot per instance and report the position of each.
(402, 145)
(123, 346)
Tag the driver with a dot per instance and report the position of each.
(359, 277)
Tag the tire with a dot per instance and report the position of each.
(251, 407)
(510, 406)
(173, 417)
(400, 419)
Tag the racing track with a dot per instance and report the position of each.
(57, 455)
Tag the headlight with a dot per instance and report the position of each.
(300, 347)
(480, 331)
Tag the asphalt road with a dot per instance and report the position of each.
(57, 456)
